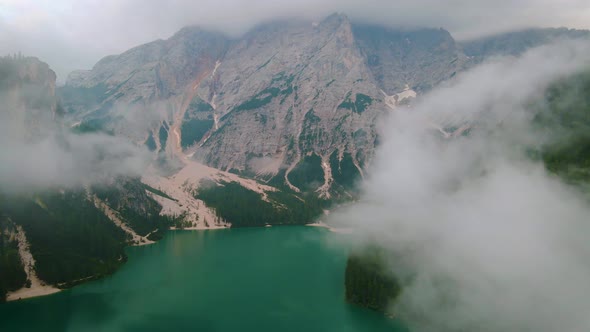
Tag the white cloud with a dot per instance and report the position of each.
(72, 34)
(492, 242)
(37, 152)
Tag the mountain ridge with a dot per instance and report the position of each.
(305, 88)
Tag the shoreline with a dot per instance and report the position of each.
(33, 291)
(39, 289)
(199, 228)
(330, 228)
(37, 286)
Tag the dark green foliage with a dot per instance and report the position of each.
(262, 118)
(266, 63)
(82, 95)
(157, 192)
(280, 85)
(517, 42)
(198, 105)
(344, 172)
(564, 119)
(310, 118)
(90, 126)
(244, 208)
(264, 97)
(87, 127)
(163, 134)
(197, 121)
(150, 143)
(141, 212)
(278, 181)
(12, 273)
(359, 105)
(310, 132)
(367, 281)
(308, 175)
(70, 238)
(193, 130)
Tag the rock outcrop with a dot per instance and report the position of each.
(27, 90)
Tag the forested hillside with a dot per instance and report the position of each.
(128, 197)
(12, 276)
(564, 120)
(368, 280)
(63, 223)
(246, 208)
(70, 238)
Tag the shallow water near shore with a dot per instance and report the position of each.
(258, 279)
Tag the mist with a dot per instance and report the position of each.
(481, 236)
(38, 152)
(76, 34)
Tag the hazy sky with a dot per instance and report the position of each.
(72, 34)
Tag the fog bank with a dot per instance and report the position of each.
(485, 238)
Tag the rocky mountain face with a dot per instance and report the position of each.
(286, 96)
(291, 103)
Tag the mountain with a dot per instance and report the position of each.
(517, 42)
(285, 97)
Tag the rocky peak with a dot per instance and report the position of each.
(418, 58)
(19, 70)
(155, 70)
(27, 86)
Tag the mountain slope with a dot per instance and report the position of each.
(265, 104)
(52, 231)
(517, 42)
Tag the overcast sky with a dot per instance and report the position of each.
(74, 34)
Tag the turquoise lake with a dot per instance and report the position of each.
(256, 279)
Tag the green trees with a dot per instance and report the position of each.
(368, 283)
(360, 103)
(245, 208)
(12, 273)
(163, 135)
(150, 143)
(70, 238)
(564, 120)
(344, 172)
(140, 211)
(193, 131)
(308, 175)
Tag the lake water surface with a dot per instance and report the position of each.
(258, 279)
